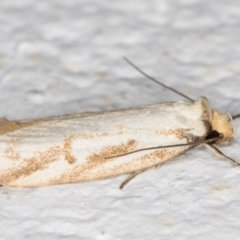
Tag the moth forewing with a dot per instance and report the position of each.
(76, 148)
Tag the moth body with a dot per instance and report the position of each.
(81, 147)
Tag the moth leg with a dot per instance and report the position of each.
(130, 177)
(219, 154)
(158, 166)
(134, 174)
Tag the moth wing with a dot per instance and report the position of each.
(77, 148)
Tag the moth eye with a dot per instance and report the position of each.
(213, 134)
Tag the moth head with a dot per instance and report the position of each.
(222, 124)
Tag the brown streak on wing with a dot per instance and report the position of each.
(41, 159)
(146, 161)
(38, 162)
(112, 151)
(67, 148)
(94, 161)
(84, 172)
(86, 136)
(90, 136)
(179, 133)
(10, 151)
(11, 154)
(120, 127)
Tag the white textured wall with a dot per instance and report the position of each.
(61, 57)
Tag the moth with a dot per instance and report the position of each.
(97, 145)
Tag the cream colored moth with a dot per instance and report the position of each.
(90, 146)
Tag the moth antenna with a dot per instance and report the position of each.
(236, 116)
(156, 81)
(193, 144)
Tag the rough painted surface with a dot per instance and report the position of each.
(59, 57)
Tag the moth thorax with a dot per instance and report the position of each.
(222, 123)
